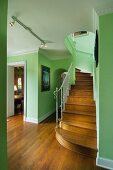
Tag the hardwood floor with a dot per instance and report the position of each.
(34, 147)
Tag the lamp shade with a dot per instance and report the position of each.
(15, 88)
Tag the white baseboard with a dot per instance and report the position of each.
(45, 116)
(32, 120)
(105, 163)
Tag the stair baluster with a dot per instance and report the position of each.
(61, 95)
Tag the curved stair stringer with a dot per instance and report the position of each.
(75, 148)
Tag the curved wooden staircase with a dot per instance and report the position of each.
(77, 129)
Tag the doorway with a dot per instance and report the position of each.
(16, 89)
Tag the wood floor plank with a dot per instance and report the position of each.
(34, 147)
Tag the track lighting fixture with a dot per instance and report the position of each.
(15, 19)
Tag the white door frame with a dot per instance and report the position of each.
(22, 63)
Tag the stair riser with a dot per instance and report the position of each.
(83, 83)
(87, 113)
(80, 107)
(90, 126)
(81, 87)
(80, 118)
(88, 142)
(84, 77)
(76, 148)
(87, 79)
(80, 100)
(76, 129)
(81, 93)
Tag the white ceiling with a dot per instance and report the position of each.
(51, 20)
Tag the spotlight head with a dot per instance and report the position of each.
(12, 23)
(43, 45)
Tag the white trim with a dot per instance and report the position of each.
(105, 163)
(23, 53)
(45, 116)
(31, 120)
(22, 63)
(17, 63)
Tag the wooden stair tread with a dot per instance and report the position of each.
(86, 77)
(83, 79)
(79, 97)
(67, 126)
(82, 90)
(81, 104)
(75, 138)
(83, 73)
(77, 70)
(76, 148)
(74, 99)
(77, 117)
(80, 107)
(80, 94)
(80, 112)
(81, 124)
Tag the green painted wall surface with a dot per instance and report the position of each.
(32, 82)
(85, 43)
(46, 99)
(59, 66)
(71, 47)
(80, 60)
(106, 87)
(84, 62)
(3, 67)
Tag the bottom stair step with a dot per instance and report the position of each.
(64, 140)
(75, 138)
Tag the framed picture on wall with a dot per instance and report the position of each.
(45, 78)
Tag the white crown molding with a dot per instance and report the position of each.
(22, 53)
(105, 163)
(104, 11)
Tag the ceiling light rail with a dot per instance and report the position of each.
(43, 43)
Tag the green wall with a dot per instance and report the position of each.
(46, 98)
(32, 82)
(106, 87)
(84, 62)
(81, 60)
(3, 67)
(70, 45)
(59, 66)
(40, 104)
